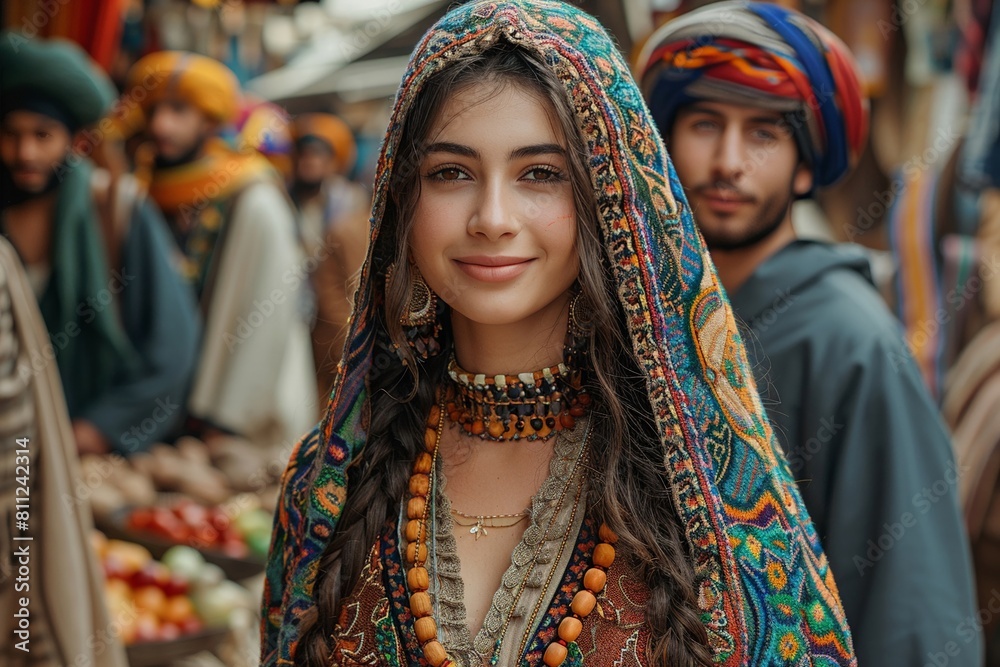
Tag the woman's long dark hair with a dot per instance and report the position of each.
(630, 490)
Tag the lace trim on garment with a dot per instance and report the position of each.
(446, 573)
(553, 516)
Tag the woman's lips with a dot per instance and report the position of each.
(493, 269)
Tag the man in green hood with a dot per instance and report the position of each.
(123, 329)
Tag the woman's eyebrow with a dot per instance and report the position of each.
(453, 148)
(536, 149)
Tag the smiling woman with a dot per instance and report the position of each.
(494, 228)
(536, 450)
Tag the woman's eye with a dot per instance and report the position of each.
(765, 135)
(542, 174)
(449, 174)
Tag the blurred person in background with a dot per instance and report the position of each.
(234, 224)
(122, 324)
(333, 222)
(267, 128)
(67, 614)
(758, 106)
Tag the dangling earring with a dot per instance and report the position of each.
(421, 321)
(581, 316)
(423, 303)
(576, 352)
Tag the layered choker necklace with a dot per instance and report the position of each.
(527, 406)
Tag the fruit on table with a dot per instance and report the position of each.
(177, 609)
(161, 601)
(209, 576)
(147, 627)
(150, 598)
(238, 528)
(216, 604)
(253, 521)
(127, 555)
(183, 562)
(259, 543)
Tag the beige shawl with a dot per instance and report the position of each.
(69, 619)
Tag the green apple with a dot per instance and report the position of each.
(184, 562)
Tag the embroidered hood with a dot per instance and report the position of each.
(764, 589)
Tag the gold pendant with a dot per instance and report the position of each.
(479, 529)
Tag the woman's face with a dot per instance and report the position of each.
(494, 233)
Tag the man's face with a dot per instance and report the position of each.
(32, 146)
(178, 129)
(313, 163)
(740, 169)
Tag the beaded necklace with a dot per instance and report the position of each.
(527, 406)
(418, 579)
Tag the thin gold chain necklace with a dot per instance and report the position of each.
(483, 521)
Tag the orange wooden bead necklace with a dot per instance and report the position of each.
(418, 578)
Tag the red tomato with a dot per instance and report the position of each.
(220, 520)
(181, 534)
(165, 523)
(205, 535)
(235, 549)
(140, 519)
(162, 512)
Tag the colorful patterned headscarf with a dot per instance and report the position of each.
(766, 56)
(765, 592)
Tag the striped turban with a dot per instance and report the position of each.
(766, 56)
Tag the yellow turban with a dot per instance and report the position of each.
(200, 81)
(333, 131)
(126, 118)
